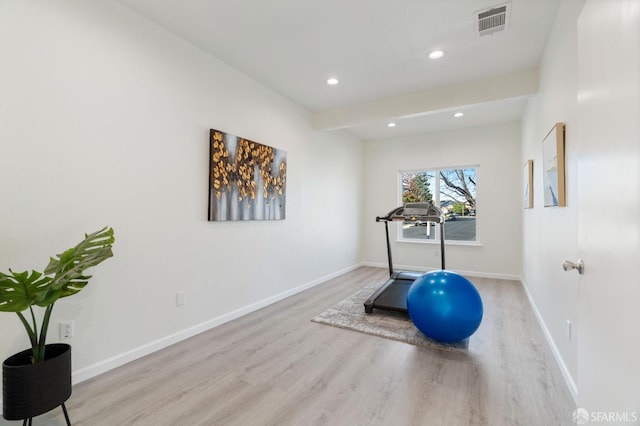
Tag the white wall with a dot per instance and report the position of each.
(104, 120)
(496, 151)
(550, 233)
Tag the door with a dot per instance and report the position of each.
(608, 143)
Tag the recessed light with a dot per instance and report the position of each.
(391, 125)
(436, 54)
(332, 81)
(458, 114)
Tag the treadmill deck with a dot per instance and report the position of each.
(392, 295)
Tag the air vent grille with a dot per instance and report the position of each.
(492, 20)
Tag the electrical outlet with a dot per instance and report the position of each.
(569, 329)
(180, 298)
(66, 329)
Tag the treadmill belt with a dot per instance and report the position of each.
(394, 297)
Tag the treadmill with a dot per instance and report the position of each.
(392, 295)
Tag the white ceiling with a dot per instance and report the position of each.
(377, 49)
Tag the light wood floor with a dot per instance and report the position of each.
(276, 367)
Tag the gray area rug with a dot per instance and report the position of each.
(349, 314)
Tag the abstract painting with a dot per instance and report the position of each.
(247, 180)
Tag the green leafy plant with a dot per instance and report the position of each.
(64, 276)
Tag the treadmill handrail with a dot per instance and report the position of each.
(389, 216)
(400, 214)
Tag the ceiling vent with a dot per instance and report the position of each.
(493, 20)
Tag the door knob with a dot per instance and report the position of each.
(570, 266)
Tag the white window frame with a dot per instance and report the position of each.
(436, 200)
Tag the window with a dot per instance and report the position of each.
(453, 190)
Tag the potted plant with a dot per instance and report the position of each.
(39, 379)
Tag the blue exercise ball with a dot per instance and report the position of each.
(445, 306)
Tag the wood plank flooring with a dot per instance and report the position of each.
(276, 367)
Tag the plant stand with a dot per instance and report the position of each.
(29, 390)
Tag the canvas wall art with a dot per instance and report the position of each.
(528, 184)
(553, 164)
(247, 180)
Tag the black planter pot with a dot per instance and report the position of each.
(29, 390)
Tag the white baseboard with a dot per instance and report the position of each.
(124, 358)
(466, 273)
(571, 384)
